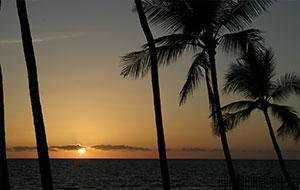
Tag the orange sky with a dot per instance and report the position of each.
(85, 100)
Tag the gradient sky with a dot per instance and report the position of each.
(86, 102)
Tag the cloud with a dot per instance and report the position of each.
(22, 148)
(215, 150)
(50, 148)
(66, 147)
(197, 149)
(119, 147)
(44, 39)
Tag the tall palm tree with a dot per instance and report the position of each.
(4, 178)
(156, 95)
(200, 26)
(40, 133)
(252, 77)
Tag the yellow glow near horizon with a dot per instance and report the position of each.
(82, 151)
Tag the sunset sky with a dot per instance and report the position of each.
(87, 104)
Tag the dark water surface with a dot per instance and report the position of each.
(138, 174)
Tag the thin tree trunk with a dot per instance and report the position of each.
(278, 152)
(219, 118)
(156, 96)
(209, 91)
(4, 178)
(40, 134)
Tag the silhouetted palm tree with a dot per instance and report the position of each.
(4, 178)
(156, 95)
(252, 76)
(40, 133)
(199, 26)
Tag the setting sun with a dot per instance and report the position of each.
(82, 151)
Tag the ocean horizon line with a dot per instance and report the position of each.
(208, 159)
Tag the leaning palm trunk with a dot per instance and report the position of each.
(219, 118)
(40, 133)
(278, 152)
(156, 96)
(4, 179)
(209, 91)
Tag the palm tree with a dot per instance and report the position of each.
(40, 132)
(252, 76)
(156, 95)
(199, 26)
(4, 178)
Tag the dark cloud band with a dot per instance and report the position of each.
(119, 147)
(22, 148)
(67, 147)
(51, 148)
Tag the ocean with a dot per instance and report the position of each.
(137, 174)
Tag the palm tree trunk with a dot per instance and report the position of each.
(212, 106)
(219, 118)
(156, 96)
(278, 152)
(40, 133)
(209, 91)
(4, 178)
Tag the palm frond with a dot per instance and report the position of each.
(188, 16)
(239, 42)
(234, 113)
(290, 121)
(137, 64)
(164, 13)
(285, 86)
(243, 13)
(252, 74)
(195, 16)
(239, 79)
(269, 63)
(192, 41)
(169, 48)
(195, 75)
(232, 120)
(238, 105)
